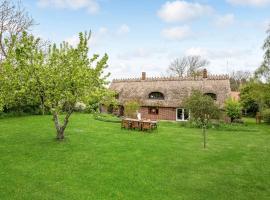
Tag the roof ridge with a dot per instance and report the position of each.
(174, 78)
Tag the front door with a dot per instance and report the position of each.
(182, 114)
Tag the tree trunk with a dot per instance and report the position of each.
(60, 129)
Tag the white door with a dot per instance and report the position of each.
(182, 114)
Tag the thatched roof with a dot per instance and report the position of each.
(175, 89)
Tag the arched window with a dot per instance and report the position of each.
(156, 95)
(212, 95)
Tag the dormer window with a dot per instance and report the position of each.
(156, 95)
(212, 95)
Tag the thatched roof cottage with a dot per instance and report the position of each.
(161, 98)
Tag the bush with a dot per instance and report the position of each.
(202, 108)
(131, 107)
(233, 109)
(266, 116)
(79, 107)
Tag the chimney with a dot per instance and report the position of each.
(143, 76)
(204, 73)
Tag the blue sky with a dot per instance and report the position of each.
(146, 35)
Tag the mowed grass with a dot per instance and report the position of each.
(98, 160)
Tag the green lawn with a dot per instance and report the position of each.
(98, 160)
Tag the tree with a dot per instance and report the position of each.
(247, 100)
(263, 72)
(178, 67)
(196, 63)
(22, 70)
(202, 107)
(14, 20)
(70, 77)
(233, 109)
(188, 65)
(255, 94)
(238, 78)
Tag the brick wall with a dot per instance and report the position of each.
(163, 114)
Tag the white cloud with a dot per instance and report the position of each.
(94, 40)
(181, 11)
(250, 2)
(177, 33)
(123, 29)
(73, 40)
(91, 6)
(225, 20)
(196, 51)
(224, 60)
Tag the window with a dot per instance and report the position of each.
(156, 95)
(153, 110)
(212, 95)
(182, 114)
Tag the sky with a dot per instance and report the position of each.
(147, 35)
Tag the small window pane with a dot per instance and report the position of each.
(156, 95)
(186, 114)
(180, 114)
(153, 111)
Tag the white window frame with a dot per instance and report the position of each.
(183, 115)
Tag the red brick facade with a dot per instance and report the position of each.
(163, 114)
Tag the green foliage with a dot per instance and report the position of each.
(21, 73)
(266, 115)
(219, 125)
(247, 99)
(233, 109)
(56, 79)
(263, 72)
(202, 107)
(255, 95)
(131, 107)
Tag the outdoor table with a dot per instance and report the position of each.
(141, 125)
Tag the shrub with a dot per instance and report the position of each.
(266, 116)
(202, 107)
(79, 106)
(131, 107)
(233, 109)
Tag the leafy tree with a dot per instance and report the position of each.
(70, 77)
(263, 71)
(202, 107)
(233, 109)
(22, 70)
(255, 94)
(247, 99)
(187, 65)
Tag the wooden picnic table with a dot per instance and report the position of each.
(142, 125)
